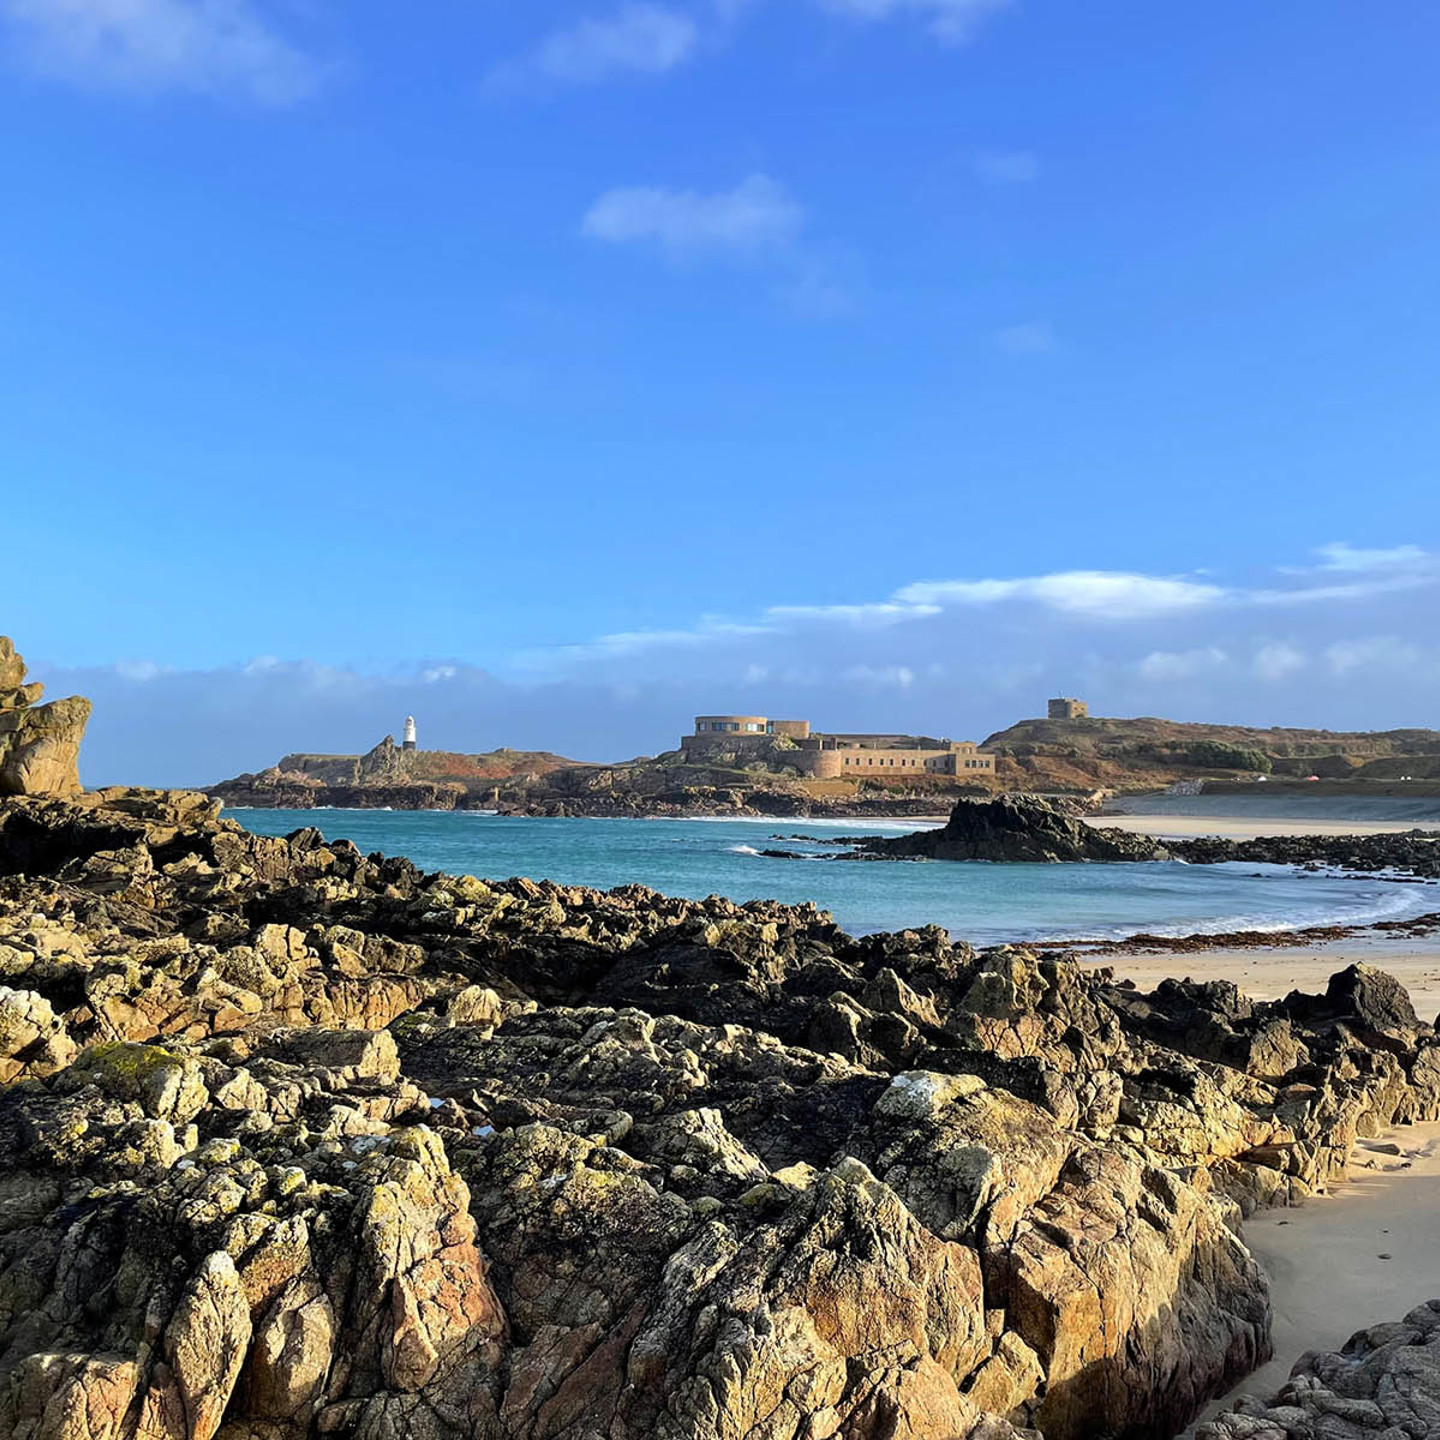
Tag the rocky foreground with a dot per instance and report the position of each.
(301, 1142)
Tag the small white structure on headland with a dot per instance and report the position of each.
(408, 743)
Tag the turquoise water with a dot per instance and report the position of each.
(985, 904)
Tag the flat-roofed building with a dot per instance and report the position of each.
(834, 756)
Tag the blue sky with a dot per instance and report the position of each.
(556, 371)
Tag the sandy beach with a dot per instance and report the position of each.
(1370, 1250)
(1364, 1254)
(1269, 973)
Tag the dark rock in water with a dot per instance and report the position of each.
(1017, 827)
(297, 1142)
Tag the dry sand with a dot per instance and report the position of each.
(1270, 972)
(1249, 827)
(1369, 1251)
(1363, 1255)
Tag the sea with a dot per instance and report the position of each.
(986, 904)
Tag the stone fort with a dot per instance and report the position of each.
(824, 756)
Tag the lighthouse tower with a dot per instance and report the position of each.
(409, 741)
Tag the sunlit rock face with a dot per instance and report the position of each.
(39, 744)
(299, 1142)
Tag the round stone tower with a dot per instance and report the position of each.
(409, 741)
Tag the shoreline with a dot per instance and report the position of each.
(1271, 973)
(1375, 1233)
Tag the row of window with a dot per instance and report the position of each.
(905, 764)
(751, 727)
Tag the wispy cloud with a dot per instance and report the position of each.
(900, 677)
(1006, 167)
(1278, 661)
(1078, 598)
(757, 217)
(637, 39)
(1171, 665)
(954, 22)
(140, 671)
(1379, 653)
(873, 615)
(220, 47)
(1032, 337)
(1350, 558)
(1095, 594)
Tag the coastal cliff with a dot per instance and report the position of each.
(306, 1143)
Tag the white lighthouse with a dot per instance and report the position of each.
(409, 741)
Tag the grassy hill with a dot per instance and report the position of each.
(1147, 751)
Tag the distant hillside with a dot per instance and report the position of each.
(387, 763)
(1147, 751)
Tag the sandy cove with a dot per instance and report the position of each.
(1369, 1250)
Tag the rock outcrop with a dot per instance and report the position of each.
(39, 744)
(301, 1142)
(1016, 827)
(1383, 1385)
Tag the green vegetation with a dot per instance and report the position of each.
(1216, 755)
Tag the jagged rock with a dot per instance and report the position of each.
(39, 744)
(1383, 1385)
(303, 1142)
(1016, 827)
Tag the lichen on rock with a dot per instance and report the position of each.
(301, 1142)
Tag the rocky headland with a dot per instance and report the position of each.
(305, 1142)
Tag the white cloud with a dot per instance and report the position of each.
(900, 677)
(1380, 652)
(638, 39)
(1006, 167)
(139, 671)
(206, 46)
(1081, 597)
(757, 217)
(438, 673)
(1097, 594)
(876, 614)
(1181, 665)
(1340, 556)
(952, 21)
(1034, 337)
(1279, 661)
